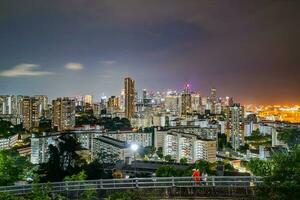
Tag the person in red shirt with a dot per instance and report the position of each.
(197, 176)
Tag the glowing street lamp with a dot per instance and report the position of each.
(134, 147)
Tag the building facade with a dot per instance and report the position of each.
(63, 116)
(129, 97)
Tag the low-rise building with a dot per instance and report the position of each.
(111, 146)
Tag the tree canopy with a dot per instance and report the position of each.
(290, 136)
(12, 167)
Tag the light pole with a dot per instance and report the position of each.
(134, 147)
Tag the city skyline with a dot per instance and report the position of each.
(62, 48)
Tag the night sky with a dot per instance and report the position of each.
(246, 49)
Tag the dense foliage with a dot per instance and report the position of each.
(257, 139)
(260, 167)
(290, 136)
(222, 142)
(65, 163)
(282, 175)
(63, 160)
(169, 171)
(112, 124)
(8, 129)
(13, 167)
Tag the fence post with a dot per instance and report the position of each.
(213, 181)
(173, 182)
(101, 184)
(136, 183)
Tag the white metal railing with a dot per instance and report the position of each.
(154, 182)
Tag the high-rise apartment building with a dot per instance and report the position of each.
(190, 146)
(196, 102)
(172, 102)
(129, 97)
(43, 104)
(205, 150)
(113, 104)
(186, 101)
(63, 117)
(237, 125)
(11, 105)
(31, 112)
(88, 99)
(213, 100)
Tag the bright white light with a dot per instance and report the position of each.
(134, 147)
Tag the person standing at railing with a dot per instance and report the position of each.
(197, 176)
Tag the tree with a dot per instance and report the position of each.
(63, 160)
(5, 128)
(98, 167)
(260, 167)
(169, 171)
(115, 123)
(45, 125)
(76, 177)
(159, 152)
(284, 181)
(290, 136)
(168, 158)
(85, 119)
(7, 196)
(105, 158)
(222, 142)
(202, 165)
(166, 171)
(12, 167)
(40, 193)
(183, 161)
(147, 151)
(244, 148)
(69, 159)
(89, 194)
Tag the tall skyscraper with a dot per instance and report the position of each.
(213, 95)
(129, 96)
(31, 112)
(196, 102)
(213, 100)
(186, 101)
(63, 117)
(237, 125)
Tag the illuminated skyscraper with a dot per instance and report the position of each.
(63, 117)
(11, 105)
(31, 112)
(186, 101)
(113, 104)
(196, 102)
(213, 95)
(172, 102)
(237, 125)
(129, 97)
(43, 104)
(213, 100)
(88, 99)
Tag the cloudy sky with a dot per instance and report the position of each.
(246, 49)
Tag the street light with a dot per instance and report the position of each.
(134, 147)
